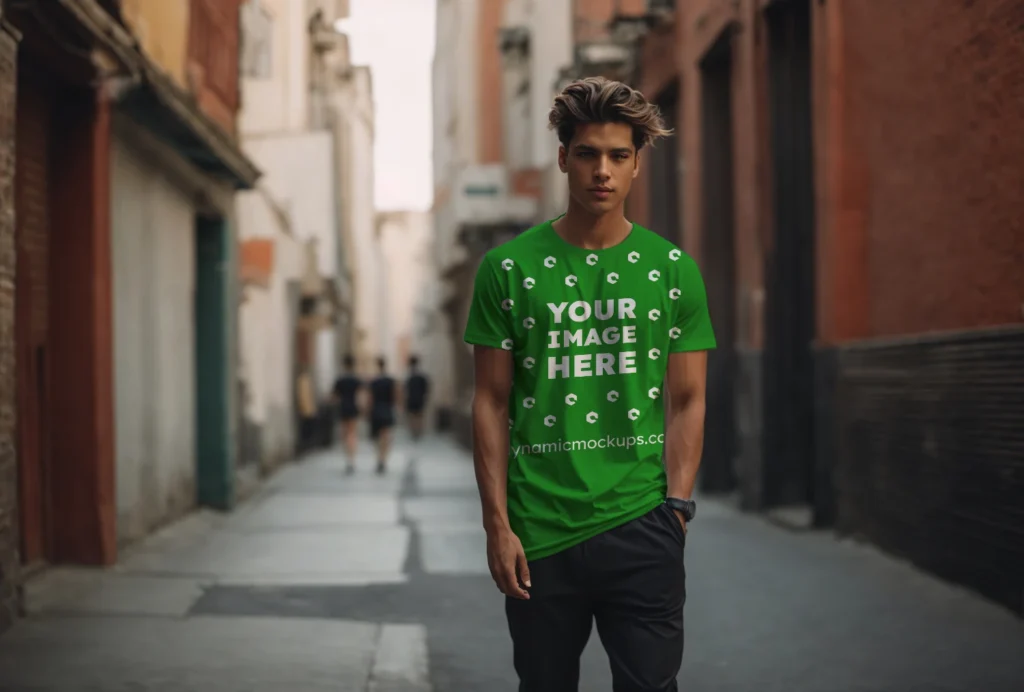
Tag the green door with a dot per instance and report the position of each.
(215, 470)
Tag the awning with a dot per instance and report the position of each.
(152, 99)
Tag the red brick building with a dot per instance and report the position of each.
(64, 68)
(849, 180)
(9, 531)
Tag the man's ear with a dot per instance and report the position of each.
(636, 165)
(563, 163)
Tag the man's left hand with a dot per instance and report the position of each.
(681, 518)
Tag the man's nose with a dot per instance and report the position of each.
(603, 170)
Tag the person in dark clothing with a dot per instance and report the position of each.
(346, 398)
(383, 396)
(416, 389)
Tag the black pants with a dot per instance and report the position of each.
(632, 582)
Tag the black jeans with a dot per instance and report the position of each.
(632, 582)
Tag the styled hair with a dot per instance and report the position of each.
(601, 100)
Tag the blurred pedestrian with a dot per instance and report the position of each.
(305, 394)
(346, 399)
(383, 397)
(417, 386)
(584, 327)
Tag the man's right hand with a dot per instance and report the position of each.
(507, 562)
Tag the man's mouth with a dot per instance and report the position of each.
(601, 192)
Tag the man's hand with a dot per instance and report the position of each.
(681, 518)
(507, 562)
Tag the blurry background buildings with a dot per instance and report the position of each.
(191, 235)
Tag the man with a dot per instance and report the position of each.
(346, 392)
(383, 396)
(416, 389)
(585, 329)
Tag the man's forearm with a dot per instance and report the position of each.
(684, 444)
(490, 460)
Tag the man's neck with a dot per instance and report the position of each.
(592, 232)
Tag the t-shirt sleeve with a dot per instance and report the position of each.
(488, 323)
(692, 330)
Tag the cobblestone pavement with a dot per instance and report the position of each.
(326, 581)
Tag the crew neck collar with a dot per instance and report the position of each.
(557, 239)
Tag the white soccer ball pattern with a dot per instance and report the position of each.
(572, 280)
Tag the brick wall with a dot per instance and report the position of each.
(490, 129)
(932, 93)
(9, 559)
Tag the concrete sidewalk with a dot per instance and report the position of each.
(331, 582)
(132, 626)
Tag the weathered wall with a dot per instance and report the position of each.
(921, 248)
(9, 559)
(943, 209)
(153, 232)
(162, 29)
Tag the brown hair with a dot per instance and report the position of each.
(600, 100)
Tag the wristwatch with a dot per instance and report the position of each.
(688, 508)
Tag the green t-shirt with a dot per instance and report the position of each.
(590, 332)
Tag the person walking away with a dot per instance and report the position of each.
(590, 336)
(417, 387)
(383, 396)
(346, 399)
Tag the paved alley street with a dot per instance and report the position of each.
(331, 582)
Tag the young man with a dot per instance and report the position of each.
(586, 330)
(416, 389)
(383, 396)
(346, 393)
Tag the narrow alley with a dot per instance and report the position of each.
(324, 581)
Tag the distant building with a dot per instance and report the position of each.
(122, 275)
(302, 228)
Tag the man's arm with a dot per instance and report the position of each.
(505, 554)
(684, 439)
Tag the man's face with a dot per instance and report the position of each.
(601, 163)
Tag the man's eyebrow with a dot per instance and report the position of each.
(616, 150)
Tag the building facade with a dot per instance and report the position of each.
(124, 183)
(296, 311)
(862, 336)
(10, 534)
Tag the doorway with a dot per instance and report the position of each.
(663, 173)
(718, 250)
(214, 379)
(789, 272)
